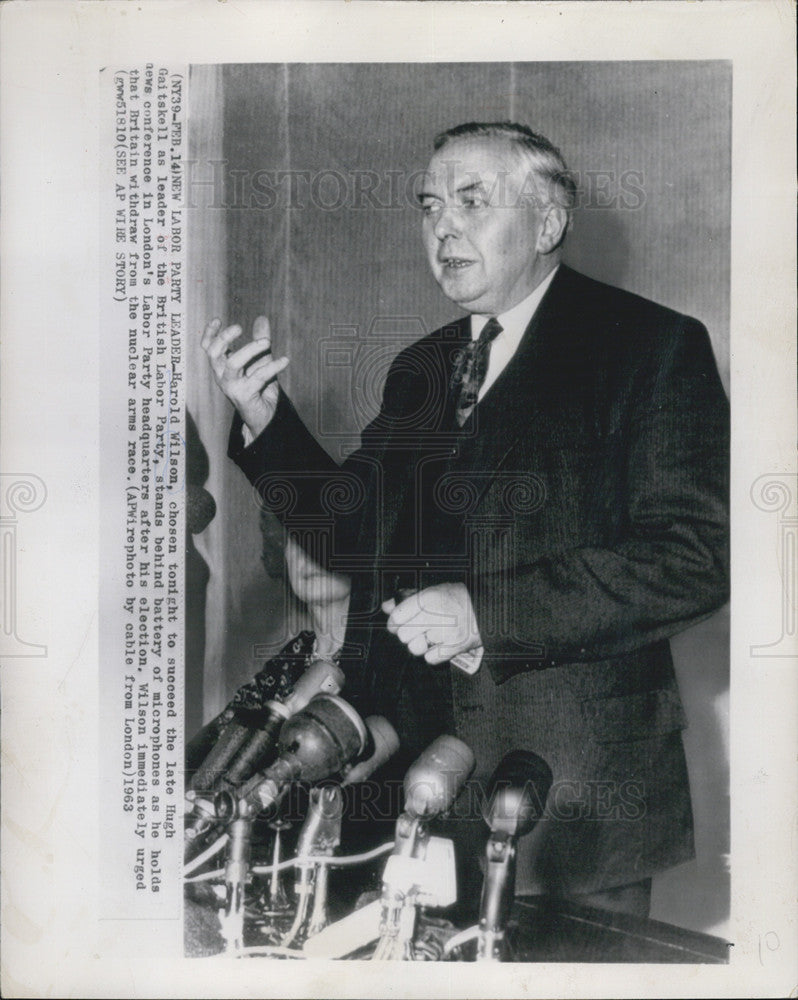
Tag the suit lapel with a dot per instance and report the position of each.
(533, 391)
(521, 397)
(405, 448)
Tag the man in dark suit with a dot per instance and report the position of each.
(540, 503)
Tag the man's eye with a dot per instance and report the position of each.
(473, 201)
(430, 207)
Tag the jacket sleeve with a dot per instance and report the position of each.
(667, 568)
(286, 449)
(331, 509)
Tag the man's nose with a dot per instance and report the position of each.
(447, 223)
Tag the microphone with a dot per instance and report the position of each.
(320, 835)
(321, 676)
(385, 741)
(200, 509)
(421, 869)
(241, 749)
(434, 781)
(321, 831)
(314, 744)
(517, 793)
(247, 743)
(516, 797)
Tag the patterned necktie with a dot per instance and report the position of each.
(471, 369)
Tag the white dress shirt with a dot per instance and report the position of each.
(513, 323)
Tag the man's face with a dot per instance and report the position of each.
(481, 225)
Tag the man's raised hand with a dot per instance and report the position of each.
(248, 376)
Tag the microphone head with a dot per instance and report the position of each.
(322, 676)
(200, 509)
(516, 793)
(434, 781)
(325, 736)
(385, 743)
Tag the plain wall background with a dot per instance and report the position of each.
(346, 285)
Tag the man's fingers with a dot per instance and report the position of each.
(440, 654)
(241, 358)
(418, 645)
(261, 329)
(411, 630)
(436, 635)
(209, 333)
(404, 611)
(219, 344)
(216, 343)
(388, 606)
(259, 375)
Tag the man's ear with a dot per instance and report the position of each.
(552, 232)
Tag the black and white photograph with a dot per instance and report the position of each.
(480, 426)
(399, 498)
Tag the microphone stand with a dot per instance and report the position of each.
(398, 920)
(516, 795)
(315, 743)
(431, 786)
(320, 835)
(277, 899)
(236, 871)
(497, 896)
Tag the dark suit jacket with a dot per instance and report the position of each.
(585, 507)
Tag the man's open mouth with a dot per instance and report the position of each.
(455, 263)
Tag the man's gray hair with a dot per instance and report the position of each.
(555, 181)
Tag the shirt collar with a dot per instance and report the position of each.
(515, 321)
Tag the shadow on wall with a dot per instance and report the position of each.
(697, 894)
